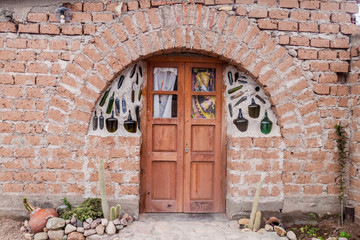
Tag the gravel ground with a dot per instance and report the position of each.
(10, 230)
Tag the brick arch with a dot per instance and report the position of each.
(183, 28)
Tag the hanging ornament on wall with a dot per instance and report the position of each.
(230, 76)
(260, 98)
(232, 90)
(123, 105)
(139, 95)
(110, 104)
(140, 71)
(101, 121)
(230, 110)
(137, 114)
(137, 79)
(240, 101)
(133, 71)
(129, 124)
(236, 76)
(254, 109)
(111, 123)
(120, 82)
(239, 94)
(103, 100)
(95, 121)
(266, 125)
(117, 106)
(132, 94)
(241, 123)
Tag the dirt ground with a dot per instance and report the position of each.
(10, 230)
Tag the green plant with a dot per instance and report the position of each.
(341, 143)
(115, 212)
(67, 204)
(344, 234)
(90, 208)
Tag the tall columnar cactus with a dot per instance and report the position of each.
(255, 205)
(104, 201)
(257, 221)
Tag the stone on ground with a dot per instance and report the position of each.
(55, 223)
(69, 228)
(76, 236)
(110, 228)
(41, 236)
(56, 234)
(291, 235)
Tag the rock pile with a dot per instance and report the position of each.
(60, 229)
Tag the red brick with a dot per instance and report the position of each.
(71, 30)
(349, 7)
(350, 29)
(318, 16)
(37, 17)
(133, 5)
(289, 3)
(49, 29)
(75, 7)
(5, 127)
(144, 3)
(93, 7)
(48, 56)
(299, 41)
(313, 190)
(329, 6)
(28, 28)
(35, 188)
(13, 187)
(14, 67)
(16, 43)
(321, 89)
(37, 44)
(7, 55)
(153, 18)
(327, 55)
(319, 66)
(339, 67)
(58, 45)
(89, 29)
(344, 55)
(26, 56)
(224, 1)
(340, 18)
(141, 21)
(267, 24)
(328, 78)
(284, 40)
(329, 28)
(37, 68)
(102, 17)
(244, 1)
(268, 3)
(7, 27)
(310, 4)
(278, 14)
(258, 13)
(300, 15)
(6, 79)
(317, 42)
(81, 17)
(308, 27)
(288, 26)
(241, 11)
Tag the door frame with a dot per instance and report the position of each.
(144, 137)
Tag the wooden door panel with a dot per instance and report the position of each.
(202, 138)
(163, 180)
(202, 180)
(160, 139)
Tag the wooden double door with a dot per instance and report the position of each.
(184, 170)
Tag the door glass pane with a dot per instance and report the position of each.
(203, 107)
(203, 79)
(165, 106)
(165, 79)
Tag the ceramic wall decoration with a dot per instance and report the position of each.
(130, 124)
(124, 94)
(244, 93)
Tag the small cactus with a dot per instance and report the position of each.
(117, 211)
(257, 221)
(112, 213)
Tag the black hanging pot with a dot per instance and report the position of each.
(111, 123)
(130, 125)
(241, 123)
(254, 109)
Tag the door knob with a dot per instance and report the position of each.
(186, 150)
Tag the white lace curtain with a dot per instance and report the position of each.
(164, 80)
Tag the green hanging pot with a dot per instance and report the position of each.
(266, 125)
(130, 125)
(254, 109)
(111, 123)
(241, 123)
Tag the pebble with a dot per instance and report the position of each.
(244, 221)
(261, 231)
(70, 228)
(117, 222)
(73, 220)
(110, 228)
(89, 220)
(55, 223)
(79, 223)
(269, 228)
(56, 234)
(100, 229)
(89, 232)
(86, 225)
(246, 230)
(104, 222)
(291, 235)
(332, 238)
(80, 229)
(67, 221)
(28, 236)
(280, 231)
(65, 237)
(26, 223)
(123, 222)
(342, 238)
(41, 236)
(95, 223)
(119, 227)
(76, 236)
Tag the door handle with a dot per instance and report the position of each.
(186, 150)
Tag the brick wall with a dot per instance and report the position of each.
(52, 75)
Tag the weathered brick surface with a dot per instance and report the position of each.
(52, 75)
